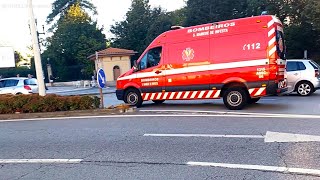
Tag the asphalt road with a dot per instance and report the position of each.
(118, 148)
(288, 104)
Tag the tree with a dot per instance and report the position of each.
(132, 32)
(76, 37)
(204, 11)
(60, 7)
(142, 24)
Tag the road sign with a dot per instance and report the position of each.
(101, 78)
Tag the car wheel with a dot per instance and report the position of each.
(253, 100)
(305, 89)
(235, 98)
(158, 101)
(133, 97)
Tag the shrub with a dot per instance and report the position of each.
(50, 103)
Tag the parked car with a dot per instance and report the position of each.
(18, 85)
(302, 76)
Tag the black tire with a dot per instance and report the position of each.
(305, 88)
(133, 97)
(235, 98)
(253, 100)
(158, 101)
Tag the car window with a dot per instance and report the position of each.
(314, 65)
(30, 82)
(10, 83)
(292, 66)
(1, 84)
(151, 58)
(301, 66)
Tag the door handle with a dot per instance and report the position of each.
(158, 72)
(296, 74)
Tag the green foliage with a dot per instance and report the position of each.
(34, 103)
(12, 72)
(142, 25)
(204, 11)
(76, 37)
(301, 19)
(60, 8)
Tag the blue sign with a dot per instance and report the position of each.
(101, 78)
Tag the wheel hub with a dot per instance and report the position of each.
(234, 98)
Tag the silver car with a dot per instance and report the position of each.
(18, 85)
(302, 76)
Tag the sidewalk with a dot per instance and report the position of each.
(71, 90)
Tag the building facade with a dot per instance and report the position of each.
(113, 61)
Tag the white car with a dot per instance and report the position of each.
(18, 85)
(302, 76)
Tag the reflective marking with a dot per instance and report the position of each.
(273, 50)
(271, 32)
(192, 69)
(209, 94)
(146, 97)
(165, 95)
(152, 96)
(159, 95)
(270, 23)
(186, 94)
(193, 94)
(217, 94)
(272, 41)
(251, 90)
(201, 94)
(259, 91)
(172, 95)
(179, 94)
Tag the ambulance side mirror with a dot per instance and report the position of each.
(135, 66)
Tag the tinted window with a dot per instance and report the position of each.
(292, 66)
(301, 66)
(151, 58)
(1, 84)
(10, 82)
(30, 82)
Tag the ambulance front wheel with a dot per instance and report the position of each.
(235, 98)
(133, 97)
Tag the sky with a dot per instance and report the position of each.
(14, 18)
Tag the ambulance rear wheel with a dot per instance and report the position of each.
(133, 97)
(158, 101)
(235, 98)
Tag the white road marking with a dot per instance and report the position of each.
(268, 138)
(206, 135)
(219, 114)
(302, 171)
(242, 113)
(288, 137)
(40, 161)
(129, 116)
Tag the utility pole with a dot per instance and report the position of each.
(36, 51)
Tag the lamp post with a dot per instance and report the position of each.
(36, 51)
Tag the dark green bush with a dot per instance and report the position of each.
(50, 103)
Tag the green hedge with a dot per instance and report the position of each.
(50, 103)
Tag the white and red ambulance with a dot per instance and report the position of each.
(239, 60)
